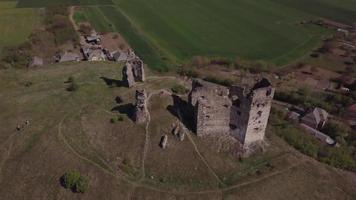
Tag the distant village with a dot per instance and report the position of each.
(91, 49)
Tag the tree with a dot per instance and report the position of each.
(334, 130)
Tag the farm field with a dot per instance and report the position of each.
(44, 3)
(168, 33)
(72, 130)
(178, 30)
(15, 33)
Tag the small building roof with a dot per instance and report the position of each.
(96, 53)
(92, 38)
(120, 56)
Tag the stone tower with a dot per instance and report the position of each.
(251, 106)
(140, 113)
(239, 112)
(133, 72)
(211, 107)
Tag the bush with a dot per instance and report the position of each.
(179, 89)
(341, 157)
(18, 56)
(118, 118)
(70, 178)
(298, 140)
(199, 61)
(75, 181)
(188, 72)
(225, 82)
(334, 130)
(70, 79)
(81, 185)
(73, 86)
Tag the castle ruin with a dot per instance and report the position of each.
(133, 72)
(239, 111)
(141, 113)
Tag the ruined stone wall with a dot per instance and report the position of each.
(250, 112)
(242, 111)
(141, 113)
(133, 72)
(260, 107)
(212, 107)
(127, 75)
(138, 70)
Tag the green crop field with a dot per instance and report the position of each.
(16, 23)
(44, 3)
(170, 32)
(265, 30)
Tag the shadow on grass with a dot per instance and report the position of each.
(126, 109)
(184, 111)
(113, 82)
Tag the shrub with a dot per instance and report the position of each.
(118, 118)
(18, 56)
(179, 89)
(188, 72)
(81, 185)
(334, 130)
(75, 181)
(73, 86)
(70, 79)
(225, 82)
(85, 29)
(341, 157)
(200, 61)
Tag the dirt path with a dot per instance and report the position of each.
(140, 183)
(200, 155)
(203, 159)
(75, 26)
(71, 19)
(147, 135)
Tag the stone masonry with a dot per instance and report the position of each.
(141, 113)
(240, 111)
(133, 72)
(212, 107)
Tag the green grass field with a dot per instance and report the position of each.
(16, 23)
(73, 131)
(264, 30)
(44, 3)
(171, 32)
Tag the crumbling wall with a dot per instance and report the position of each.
(141, 112)
(133, 72)
(241, 111)
(250, 111)
(212, 105)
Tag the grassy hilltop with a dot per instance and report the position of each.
(72, 130)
